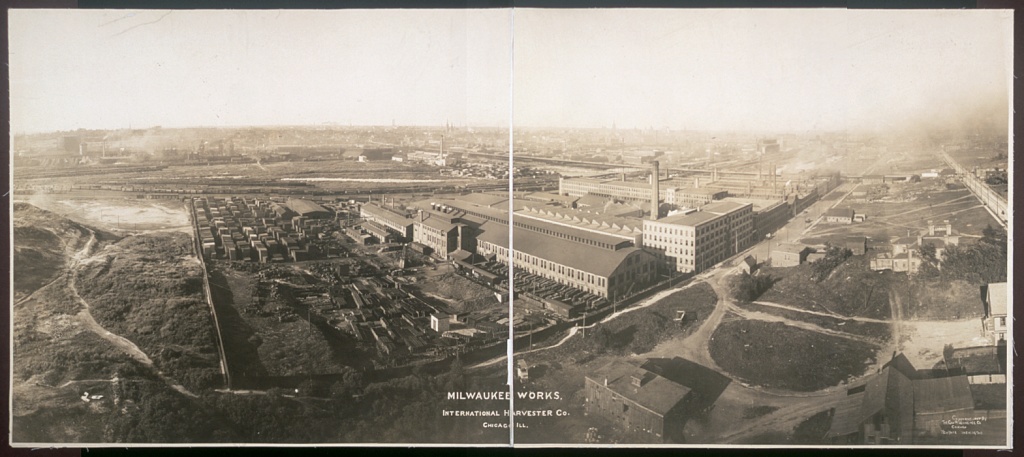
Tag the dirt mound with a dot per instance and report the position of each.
(42, 239)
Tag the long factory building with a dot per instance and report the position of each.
(602, 254)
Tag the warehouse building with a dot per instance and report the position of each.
(308, 209)
(399, 223)
(604, 266)
(647, 406)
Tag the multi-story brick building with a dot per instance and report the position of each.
(697, 241)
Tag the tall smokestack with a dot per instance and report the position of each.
(654, 190)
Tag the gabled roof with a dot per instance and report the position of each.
(305, 206)
(656, 394)
(600, 262)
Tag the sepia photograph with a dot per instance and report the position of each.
(763, 227)
(511, 227)
(238, 226)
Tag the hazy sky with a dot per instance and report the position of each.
(764, 69)
(109, 69)
(694, 69)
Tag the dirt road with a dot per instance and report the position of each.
(83, 256)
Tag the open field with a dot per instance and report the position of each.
(773, 354)
(851, 290)
(333, 175)
(922, 341)
(116, 214)
(925, 201)
(937, 299)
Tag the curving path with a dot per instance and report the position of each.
(86, 317)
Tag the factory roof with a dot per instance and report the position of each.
(305, 207)
(612, 225)
(437, 222)
(525, 223)
(580, 256)
(698, 190)
(386, 213)
(484, 199)
(759, 203)
(691, 219)
(724, 207)
(550, 197)
(592, 200)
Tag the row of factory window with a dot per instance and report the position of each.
(561, 269)
(673, 231)
(658, 239)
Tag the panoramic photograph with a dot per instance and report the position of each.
(240, 226)
(511, 227)
(762, 227)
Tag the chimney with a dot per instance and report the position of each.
(606, 382)
(949, 228)
(622, 177)
(654, 190)
(931, 228)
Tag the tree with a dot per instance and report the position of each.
(834, 257)
(928, 251)
(350, 384)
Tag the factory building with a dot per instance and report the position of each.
(696, 241)
(437, 231)
(769, 215)
(399, 223)
(605, 266)
(690, 197)
(308, 209)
